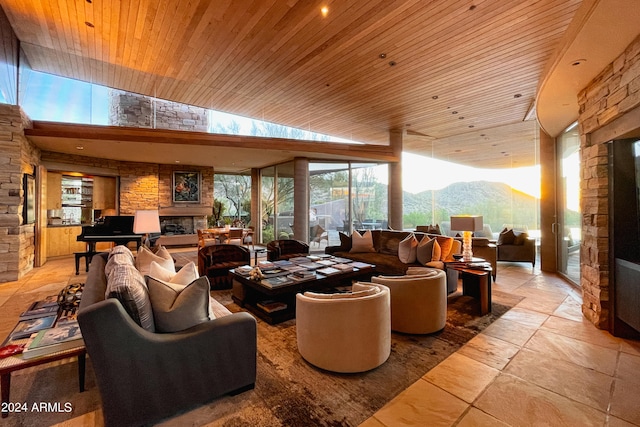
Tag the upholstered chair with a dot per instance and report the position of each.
(286, 248)
(418, 302)
(345, 332)
(216, 261)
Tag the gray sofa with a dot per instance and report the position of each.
(385, 257)
(144, 376)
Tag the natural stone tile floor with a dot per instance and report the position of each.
(541, 363)
(545, 365)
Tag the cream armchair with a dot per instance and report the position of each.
(345, 332)
(418, 302)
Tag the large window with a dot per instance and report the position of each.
(277, 202)
(569, 229)
(232, 197)
(344, 197)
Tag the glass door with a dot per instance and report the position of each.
(568, 232)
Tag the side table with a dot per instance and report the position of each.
(15, 363)
(476, 282)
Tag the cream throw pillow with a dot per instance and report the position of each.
(177, 307)
(362, 242)
(184, 276)
(407, 249)
(145, 257)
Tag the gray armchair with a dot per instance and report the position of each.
(145, 376)
(516, 247)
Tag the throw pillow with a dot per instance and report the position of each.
(506, 237)
(146, 256)
(446, 244)
(424, 251)
(388, 241)
(184, 276)
(118, 255)
(407, 249)
(520, 238)
(362, 242)
(437, 251)
(177, 307)
(126, 284)
(345, 241)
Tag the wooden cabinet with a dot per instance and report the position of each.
(54, 190)
(62, 241)
(104, 192)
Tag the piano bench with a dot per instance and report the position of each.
(87, 258)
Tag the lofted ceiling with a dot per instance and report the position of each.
(459, 76)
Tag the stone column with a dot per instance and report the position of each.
(395, 180)
(609, 109)
(301, 199)
(19, 156)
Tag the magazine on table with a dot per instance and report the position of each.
(276, 281)
(37, 310)
(53, 340)
(25, 328)
(328, 271)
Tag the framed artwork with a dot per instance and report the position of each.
(29, 206)
(186, 187)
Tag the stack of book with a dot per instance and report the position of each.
(302, 275)
(271, 305)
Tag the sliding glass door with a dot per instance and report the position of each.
(568, 232)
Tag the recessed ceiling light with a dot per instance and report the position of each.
(324, 10)
(392, 63)
(382, 55)
(434, 97)
(79, 147)
(454, 112)
(471, 126)
(460, 118)
(88, 24)
(517, 95)
(578, 62)
(472, 7)
(177, 161)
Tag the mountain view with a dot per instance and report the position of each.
(498, 203)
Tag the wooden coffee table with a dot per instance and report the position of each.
(248, 293)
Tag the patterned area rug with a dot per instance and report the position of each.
(289, 391)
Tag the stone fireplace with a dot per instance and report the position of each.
(171, 225)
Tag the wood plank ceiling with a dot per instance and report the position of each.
(455, 74)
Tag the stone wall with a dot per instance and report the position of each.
(612, 94)
(129, 109)
(19, 156)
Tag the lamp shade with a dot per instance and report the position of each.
(467, 222)
(146, 221)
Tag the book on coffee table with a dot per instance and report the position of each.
(52, 340)
(328, 271)
(39, 309)
(25, 328)
(270, 305)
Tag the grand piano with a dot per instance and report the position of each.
(116, 229)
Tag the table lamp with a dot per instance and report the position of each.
(467, 224)
(146, 221)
